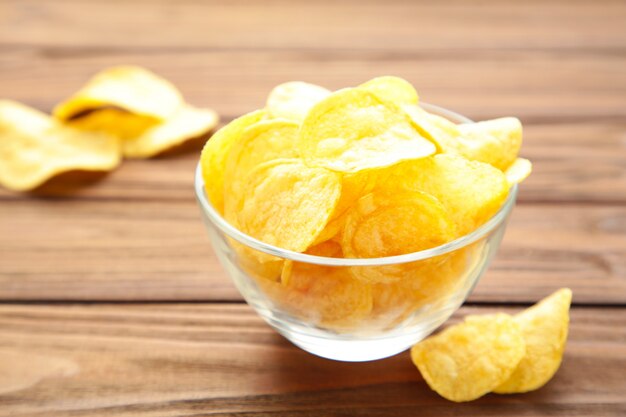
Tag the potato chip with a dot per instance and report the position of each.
(293, 100)
(394, 89)
(262, 142)
(428, 127)
(130, 88)
(518, 171)
(468, 360)
(389, 223)
(354, 130)
(259, 265)
(323, 295)
(35, 147)
(287, 204)
(114, 121)
(422, 283)
(471, 191)
(545, 328)
(353, 187)
(328, 249)
(496, 142)
(187, 123)
(215, 155)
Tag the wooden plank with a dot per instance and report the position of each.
(111, 250)
(183, 360)
(533, 85)
(322, 24)
(573, 162)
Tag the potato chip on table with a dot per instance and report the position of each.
(35, 147)
(468, 360)
(133, 89)
(544, 326)
(145, 111)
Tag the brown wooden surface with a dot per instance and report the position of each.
(80, 256)
(182, 360)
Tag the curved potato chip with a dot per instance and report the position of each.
(327, 296)
(287, 204)
(394, 89)
(215, 155)
(496, 142)
(468, 360)
(424, 124)
(353, 130)
(114, 121)
(259, 265)
(328, 249)
(35, 147)
(294, 99)
(545, 327)
(262, 142)
(187, 123)
(518, 171)
(394, 223)
(353, 187)
(424, 282)
(471, 191)
(131, 88)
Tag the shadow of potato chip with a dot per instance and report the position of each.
(68, 183)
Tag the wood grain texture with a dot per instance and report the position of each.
(189, 360)
(327, 24)
(108, 250)
(135, 234)
(531, 84)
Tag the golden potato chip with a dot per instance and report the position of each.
(187, 123)
(496, 142)
(258, 265)
(323, 295)
(262, 142)
(440, 130)
(394, 89)
(130, 88)
(519, 170)
(114, 121)
(353, 187)
(215, 155)
(422, 283)
(468, 360)
(287, 204)
(389, 223)
(328, 249)
(471, 191)
(545, 327)
(293, 100)
(35, 147)
(353, 130)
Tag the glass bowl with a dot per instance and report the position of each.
(355, 309)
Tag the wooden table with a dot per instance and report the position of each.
(112, 300)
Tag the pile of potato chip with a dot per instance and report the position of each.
(497, 353)
(122, 111)
(361, 172)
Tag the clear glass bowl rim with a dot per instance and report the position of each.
(458, 243)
